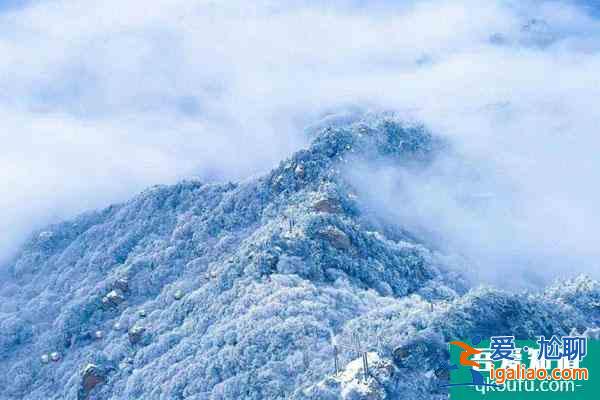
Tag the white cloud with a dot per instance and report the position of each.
(100, 99)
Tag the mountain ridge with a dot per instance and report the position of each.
(235, 290)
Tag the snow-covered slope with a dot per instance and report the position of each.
(236, 290)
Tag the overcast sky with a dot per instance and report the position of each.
(100, 99)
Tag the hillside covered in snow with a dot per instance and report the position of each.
(238, 290)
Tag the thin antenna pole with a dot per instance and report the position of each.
(356, 344)
(335, 359)
(365, 365)
(305, 358)
(362, 354)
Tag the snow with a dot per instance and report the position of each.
(222, 300)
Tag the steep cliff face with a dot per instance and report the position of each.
(236, 290)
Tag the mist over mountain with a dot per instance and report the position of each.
(200, 198)
(238, 290)
(101, 100)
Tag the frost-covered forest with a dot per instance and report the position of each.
(238, 290)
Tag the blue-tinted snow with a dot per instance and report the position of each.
(243, 285)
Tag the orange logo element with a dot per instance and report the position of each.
(467, 352)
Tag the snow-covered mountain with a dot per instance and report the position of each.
(238, 290)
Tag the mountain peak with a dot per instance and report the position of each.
(229, 291)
